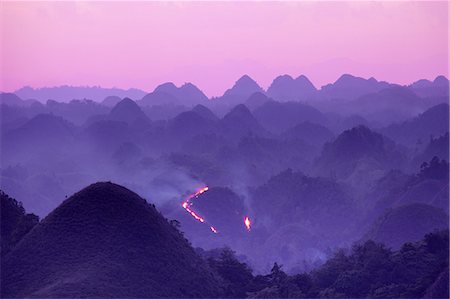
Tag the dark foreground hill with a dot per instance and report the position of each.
(105, 241)
(14, 222)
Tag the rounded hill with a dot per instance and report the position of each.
(105, 241)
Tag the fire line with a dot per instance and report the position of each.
(187, 204)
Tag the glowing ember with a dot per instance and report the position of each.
(247, 223)
(186, 205)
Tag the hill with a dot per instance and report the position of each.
(286, 88)
(111, 101)
(407, 223)
(358, 146)
(241, 91)
(105, 241)
(128, 111)
(292, 197)
(240, 122)
(256, 99)
(389, 105)
(76, 111)
(167, 93)
(204, 112)
(425, 88)
(15, 222)
(12, 99)
(158, 98)
(437, 147)
(189, 124)
(278, 117)
(349, 87)
(309, 132)
(67, 93)
(433, 121)
(46, 134)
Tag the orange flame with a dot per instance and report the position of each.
(247, 223)
(186, 204)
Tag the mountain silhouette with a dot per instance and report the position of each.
(285, 88)
(167, 93)
(128, 111)
(158, 98)
(15, 222)
(189, 124)
(436, 147)
(43, 133)
(407, 223)
(204, 112)
(278, 117)
(426, 88)
(190, 93)
(67, 93)
(349, 87)
(244, 86)
(389, 105)
(256, 100)
(105, 241)
(311, 133)
(432, 122)
(240, 122)
(111, 101)
(105, 136)
(357, 145)
(76, 111)
(292, 197)
(241, 90)
(11, 99)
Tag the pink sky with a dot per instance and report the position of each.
(211, 44)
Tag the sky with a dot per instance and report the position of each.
(211, 44)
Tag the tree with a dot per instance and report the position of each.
(277, 276)
(236, 275)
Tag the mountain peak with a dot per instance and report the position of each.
(350, 87)
(125, 103)
(441, 80)
(245, 79)
(346, 78)
(111, 101)
(240, 122)
(96, 195)
(204, 112)
(241, 111)
(166, 87)
(127, 111)
(188, 94)
(283, 78)
(245, 86)
(305, 83)
(189, 85)
(285, 88)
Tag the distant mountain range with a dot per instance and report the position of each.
(68, 93)
(283, 88)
